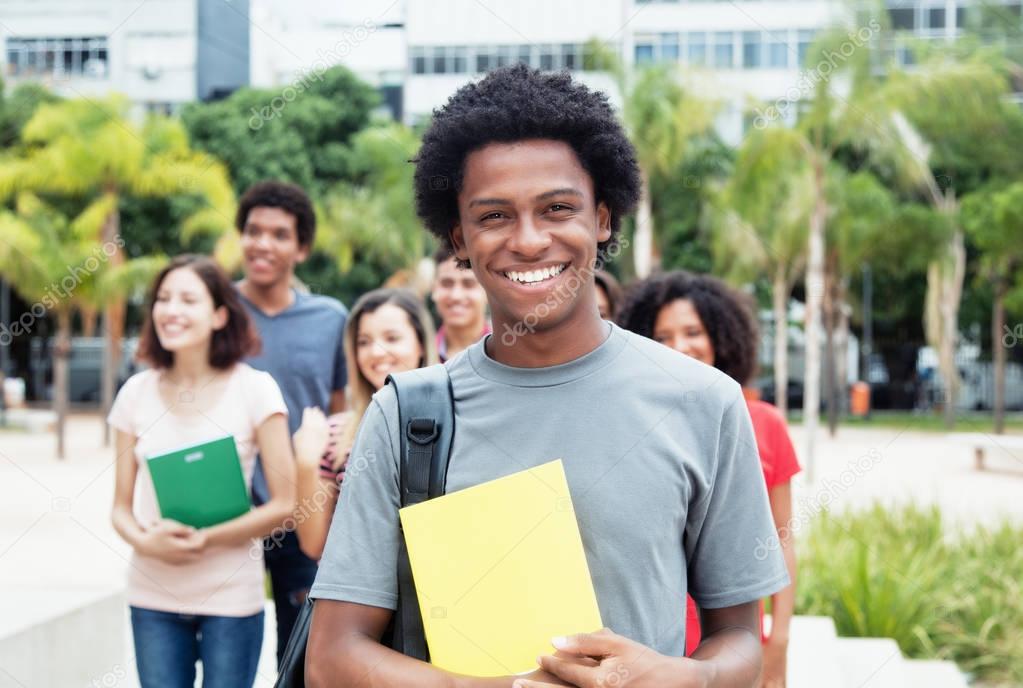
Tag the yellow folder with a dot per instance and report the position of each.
(500, 570)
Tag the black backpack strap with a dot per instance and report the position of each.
(426, 423)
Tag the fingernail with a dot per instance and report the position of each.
(560, 642)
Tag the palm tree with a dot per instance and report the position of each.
(862, 213)
(373, 216)
(662, 119)
(759, 221)
(951, 120)
(92, 150)
(52, 263)
(994, 220)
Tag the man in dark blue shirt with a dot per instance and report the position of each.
(302, 349)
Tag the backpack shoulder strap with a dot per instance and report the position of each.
(426, 424)
(426, 417)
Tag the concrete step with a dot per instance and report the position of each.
(932, 673)
(813, 653)
(62, 637)
(871, 663)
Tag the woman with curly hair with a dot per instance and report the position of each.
(702, 317)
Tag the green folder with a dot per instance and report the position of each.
(200, 485)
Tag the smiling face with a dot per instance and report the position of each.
(459, 298)
(530, 225)
(679, 327)
(184, 314)
(386, 343)
(270, 246)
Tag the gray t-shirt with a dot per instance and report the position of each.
(303, 350)
(661, 464)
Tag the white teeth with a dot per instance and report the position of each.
(535, 275)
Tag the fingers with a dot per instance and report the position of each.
(529, 683)
(570, 670)
(584, 661)
(600, 644)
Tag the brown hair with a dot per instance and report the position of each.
(360, 390)
(230, 344)
(612, 290)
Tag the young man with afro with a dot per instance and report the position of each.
(527, 176)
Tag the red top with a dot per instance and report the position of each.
(779, 463)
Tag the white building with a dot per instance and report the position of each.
(160, 53)
(736, 53)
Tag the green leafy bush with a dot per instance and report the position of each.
(938, 592)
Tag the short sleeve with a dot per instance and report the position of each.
(122, 416)
(340, 365)
(264, 398)
(731, 543)
(360, 560)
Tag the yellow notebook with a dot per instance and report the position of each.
(500, 570)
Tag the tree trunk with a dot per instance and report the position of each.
(814, 294)
(830, 365)
(952, 287)
(113, 321)
(842, 344)
(89, 317)
(61, 353)
(780, 301)
(643, 246)
(997, 328)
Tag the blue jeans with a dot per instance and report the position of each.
(167, 646)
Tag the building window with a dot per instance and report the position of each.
(723, 56)
(526, 54)
(903, 18)
(484, 60)
(418, 56)
(936, 18)
(669, 47)
(570, 56)
(778, 50)
(804, 38)
(751, 46)
(646, 51)
(697, 48)
(439, 61)
(461, 60)
(547, 57)
(80, 57)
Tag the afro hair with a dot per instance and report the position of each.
(518, 103)
(727, 315)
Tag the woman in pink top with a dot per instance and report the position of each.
(197, 594)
